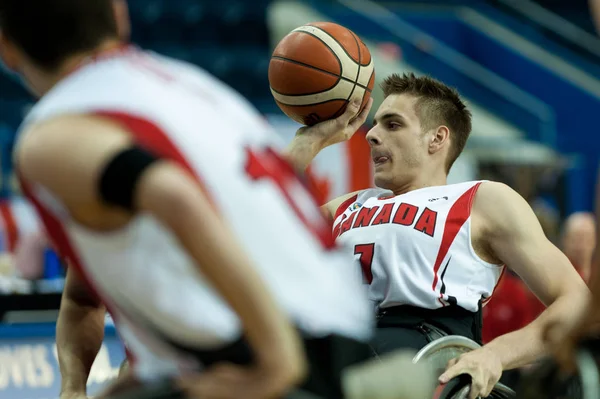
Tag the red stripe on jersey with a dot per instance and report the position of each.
(344, 205)
(10, 226)
(153, 138)
(60, 240)
(458, 215)
(486, 300)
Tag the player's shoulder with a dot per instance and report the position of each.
(492, 194)
(498, 207)
(43, 145)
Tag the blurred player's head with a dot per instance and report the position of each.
(579, 240)
(421, 127)
(41, 40)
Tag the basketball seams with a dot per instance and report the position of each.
(348, 63)
(359, 84)
(311, 104)
(359, 43)
(332, 51)
(273, 90)
(338, 42)
(352, 81)
(278, 57)
(340, 92)
(359, 66)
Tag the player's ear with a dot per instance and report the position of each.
(9, 54)
(122, 17)
(438, 139)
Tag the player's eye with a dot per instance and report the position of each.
(394, 125)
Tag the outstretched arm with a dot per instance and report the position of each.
(516, 237)
(79, 335)
(510, 228)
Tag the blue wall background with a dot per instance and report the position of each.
(29, 367)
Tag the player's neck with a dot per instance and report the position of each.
(49, 80)
(422, 180)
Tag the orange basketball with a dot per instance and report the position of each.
(317, 69)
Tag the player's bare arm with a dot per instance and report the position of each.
(68, 156)
(506, 227)
(310, 140)
(79, 335)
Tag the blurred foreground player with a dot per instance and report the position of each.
(160, 187)
(432, 253)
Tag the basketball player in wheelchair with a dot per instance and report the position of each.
(437, 250)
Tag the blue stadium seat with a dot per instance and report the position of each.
(228, 38)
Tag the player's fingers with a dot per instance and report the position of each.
(351, 111)
(474, 392)
(361, 118)
(477, 385)
(487, 391)
(450, 373)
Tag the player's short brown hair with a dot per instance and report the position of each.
(49, 31)
(437, 105)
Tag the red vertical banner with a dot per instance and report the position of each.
(359, 162)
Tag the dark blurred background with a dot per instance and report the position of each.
(528, 69)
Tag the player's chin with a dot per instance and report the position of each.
(382, 179)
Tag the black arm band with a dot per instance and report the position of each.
(119, 180)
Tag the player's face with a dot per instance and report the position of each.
(398, 145)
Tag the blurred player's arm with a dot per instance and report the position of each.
(310, 140)
(79, 335)
(69, 155)
(516, 237)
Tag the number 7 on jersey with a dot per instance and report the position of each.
(366, 252)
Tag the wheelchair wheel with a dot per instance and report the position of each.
(438, 353)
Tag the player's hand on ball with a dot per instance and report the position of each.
(482, 365)
(342, 128)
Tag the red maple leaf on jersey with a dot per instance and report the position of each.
(322, 186)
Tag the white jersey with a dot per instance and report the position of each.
(149, 283)
(415, 248)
